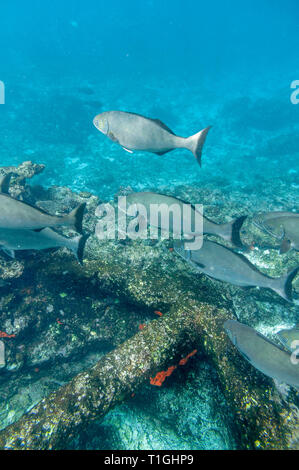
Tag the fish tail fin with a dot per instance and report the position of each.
(77, 245)
(283, 285)
(196, 142)
(231, 231)
(75, 218)
(285, 246)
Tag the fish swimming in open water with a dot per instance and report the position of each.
(262, 353)
(135, 132)
(281, 225)
(224, 264)
(229, 231)
(17, 214)
(12, 240)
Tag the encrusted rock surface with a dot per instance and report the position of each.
(66, 316)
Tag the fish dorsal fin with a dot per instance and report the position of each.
(161, 124)
(46, 231)
(156, 121)
(4, 183)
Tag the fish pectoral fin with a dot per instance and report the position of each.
(4, 183)
(127, 150)
(285, 246)
(112, 137)
(8, 252)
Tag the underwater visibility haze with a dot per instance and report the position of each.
(136, 340)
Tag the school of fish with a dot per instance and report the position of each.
(134, 132)
(26, 227)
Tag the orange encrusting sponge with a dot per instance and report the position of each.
(161, 376)
(5, 335)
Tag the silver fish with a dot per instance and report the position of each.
(224, 264)
(264, 355)
(13, 240)
(135, 132)
(281, 225)
(289, 337)
(17, 214)
(229, 231)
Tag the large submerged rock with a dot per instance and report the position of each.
(67, 317)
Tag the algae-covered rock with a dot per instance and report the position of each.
(67, 317)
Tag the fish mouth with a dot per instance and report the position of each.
(96, 123)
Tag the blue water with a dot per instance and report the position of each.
(190, 63)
